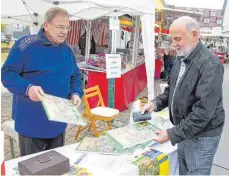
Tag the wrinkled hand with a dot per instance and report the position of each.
(35, 93)
(76, 100)
(150, 107)
(162, 136)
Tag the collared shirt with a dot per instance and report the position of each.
(181, 73)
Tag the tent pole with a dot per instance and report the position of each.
(111, 81)
(88, 40)
(148, 34)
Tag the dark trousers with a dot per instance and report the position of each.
(30, 145)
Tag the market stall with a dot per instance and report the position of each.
(132, 81)
(133, 74)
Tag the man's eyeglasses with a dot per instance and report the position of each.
(62, 28)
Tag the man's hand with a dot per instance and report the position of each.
(150, 107)
(162, 136)
(76, 100)
(35, 93)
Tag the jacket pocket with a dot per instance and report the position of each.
(179, 112)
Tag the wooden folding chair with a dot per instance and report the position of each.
(100, 112)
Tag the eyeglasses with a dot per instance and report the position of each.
(62, 28)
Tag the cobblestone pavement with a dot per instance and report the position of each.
(6, 107)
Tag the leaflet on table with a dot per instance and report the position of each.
(166, 147)
(62, 110)
(106, 145)
(133, 135)
(119, 165)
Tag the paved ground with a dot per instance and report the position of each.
(221, 164)
(222, 156)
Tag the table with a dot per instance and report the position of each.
(127, 88)
(105, 164)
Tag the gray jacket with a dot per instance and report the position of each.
(198, 102)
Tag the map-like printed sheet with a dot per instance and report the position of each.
(106, 145)
(62, 110)
(133, 135)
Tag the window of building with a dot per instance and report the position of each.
(206, 20)
(219, 21)
(200, 11)
(213, 13)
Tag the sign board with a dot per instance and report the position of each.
(113, 66)
(114, 23)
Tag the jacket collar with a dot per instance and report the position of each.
(42, 37)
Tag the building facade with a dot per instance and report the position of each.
(210, 18)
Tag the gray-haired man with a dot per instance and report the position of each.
(38, 64)
(194, 98)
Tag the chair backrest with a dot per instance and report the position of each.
(89, 93)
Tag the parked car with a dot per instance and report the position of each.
(13, 39)
(221, 56)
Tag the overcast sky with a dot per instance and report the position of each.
(211, 4)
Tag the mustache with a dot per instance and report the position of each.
(62, 35)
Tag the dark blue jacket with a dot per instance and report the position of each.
(33, 60)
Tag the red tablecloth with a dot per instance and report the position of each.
(127, 87)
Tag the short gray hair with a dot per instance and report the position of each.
(190, 23)
(53, 12)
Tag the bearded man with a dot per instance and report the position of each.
(194, 98)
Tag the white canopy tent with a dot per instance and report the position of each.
(31, 13)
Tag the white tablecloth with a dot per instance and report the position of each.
(100, 164)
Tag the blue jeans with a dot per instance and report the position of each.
(196, 155)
